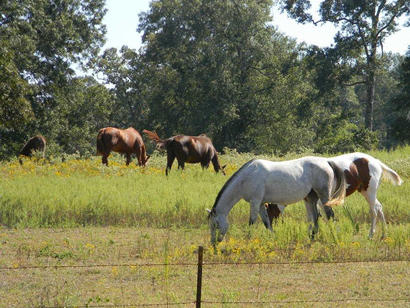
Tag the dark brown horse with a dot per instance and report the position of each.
(187, 149)
(36, 143)
(125, 141)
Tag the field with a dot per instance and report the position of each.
(76, 233)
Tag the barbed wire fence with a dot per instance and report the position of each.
(200, 266)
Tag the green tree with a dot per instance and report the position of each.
(219, 68)
(83, 106)
(44, 40)
(387, 78)
(400, 126)
(363, 27)
(14, 108)
(129, 80)
(339, 120)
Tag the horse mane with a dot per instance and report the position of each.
(152, 135)
(227, 183)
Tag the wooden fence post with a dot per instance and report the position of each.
(199, 276)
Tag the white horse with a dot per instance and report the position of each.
(363, 173)
(260, 181)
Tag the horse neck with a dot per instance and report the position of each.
(215, 162)
(228, 198)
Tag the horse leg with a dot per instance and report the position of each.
(376, 208)
(170, 161)
(205, 164)
(379, 208)
(312, 212)
(265, 217)
(105, 159)
(253, 212)
(273, 212)
(328, 211)
(128, 158)
(181, 164)
(138, 153)
(256, 207)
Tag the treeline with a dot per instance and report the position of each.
(214, 67)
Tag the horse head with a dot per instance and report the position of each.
(217, 225)
(161, 146)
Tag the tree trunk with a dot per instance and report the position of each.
(371, 79)
(371, 85)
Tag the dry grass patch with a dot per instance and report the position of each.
(114, 266)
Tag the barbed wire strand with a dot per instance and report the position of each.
(307, 262)
(18, 267)
(240, 302)
(311, 301)
(121, 305)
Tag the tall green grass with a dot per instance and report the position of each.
(83, 192)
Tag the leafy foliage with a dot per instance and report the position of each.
(400, 128)
(363, 27)
(218, 68)
(43, 40)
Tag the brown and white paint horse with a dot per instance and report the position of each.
(36, 143)
(187, 149)
(363, 173)
(125, 141)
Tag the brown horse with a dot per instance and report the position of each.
(125, 141)
(36, 143)
(187, 149)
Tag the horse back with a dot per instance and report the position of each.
(359, 168)
(194, 149)
(119, 140)
(36, 143)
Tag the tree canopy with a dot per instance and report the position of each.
(214, 67)
(362, 29)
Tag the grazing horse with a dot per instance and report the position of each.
(125, 141)
(260, 181)
(187, 149)
(36, 143)
(363, 173)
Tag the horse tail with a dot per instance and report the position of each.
(339, 192)
(100, 142)
(390, 174)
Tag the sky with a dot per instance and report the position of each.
(121, 20)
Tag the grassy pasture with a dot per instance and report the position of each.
(79, 212)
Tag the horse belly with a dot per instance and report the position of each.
(285, 193)
(192, 156)
(121, 148)
(193, 160)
